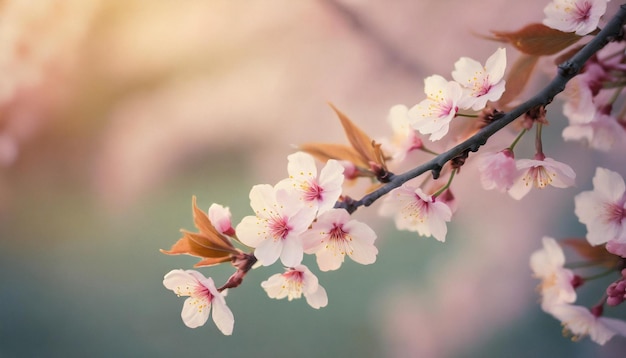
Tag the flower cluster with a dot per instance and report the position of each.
(603, 211)
(473, 85)
(309, 212)
(594, 116)
(293, 217)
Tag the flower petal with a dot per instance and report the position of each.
(317, 299)
(195, 312)
(179, 281)
(223, 316)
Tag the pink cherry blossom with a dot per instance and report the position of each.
(579, 106)
(580, 322)
(294, 283)
(481, 83)
(541, 173)
(433, 115)
(603, 210)
(416, 211)
(203, 296)
(334, 235)
(220, 218)
(320, 192)
(556, 281)
(602, 132)
(616, 248)
(497, 170)
(587, 123)
(274, 231)
(579, 16)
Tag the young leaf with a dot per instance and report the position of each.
(325, 151)
(592, 253)
(517, 78)
(367, 148)
(208, 243)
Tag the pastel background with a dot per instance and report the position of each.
(114, 113)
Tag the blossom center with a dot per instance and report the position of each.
(481, 89)
(201, 291)
(441, 109)
(414, 209)
(583, 11)
(614, 213)
(293, 283)
(339, 240)
(312, 191)
(201, 296)
(539, 176)
(279, 228)
(548, 282)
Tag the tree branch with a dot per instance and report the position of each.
(566, 71)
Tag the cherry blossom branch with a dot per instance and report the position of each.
(566, 71)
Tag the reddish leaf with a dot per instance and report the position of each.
(367, 148)
(208, 243)
(517, 78)
(210, 261)
(202, 222)
(325, 151)
(537, 39)
(592, 253)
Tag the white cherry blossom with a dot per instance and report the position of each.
(481, 83)
(603, 209)
(274, 231)
(541, 173)
(580, 322)
(203, 297)
(320, 192)
(579, 16)
(433, 115)
(294, 283)
(405, 139)
(334, 235)
(556, 280)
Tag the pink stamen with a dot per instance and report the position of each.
(614, 213)
(583, 11)
(279, 228)
(313, 192)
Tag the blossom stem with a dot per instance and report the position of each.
(519, 136)
(426, 150)
(467, 115)
(445, 187)
(538, 143)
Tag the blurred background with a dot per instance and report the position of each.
(114, 113)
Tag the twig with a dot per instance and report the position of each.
(566, 71)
